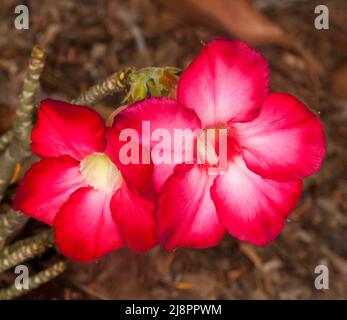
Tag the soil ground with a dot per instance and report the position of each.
(88, 40)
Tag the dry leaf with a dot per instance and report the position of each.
(239, 18)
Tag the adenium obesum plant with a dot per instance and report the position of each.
(97, 202)
(77, 188)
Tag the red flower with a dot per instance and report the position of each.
(78, 189)
(273, 142)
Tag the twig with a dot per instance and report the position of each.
(251, 255)
(126, 17)
(23, 119)
(35, 281)
(23, 250)
(46, 237)
(117, 82)
(6, 139)
(19, 148)
(10, 222)
(21, 254)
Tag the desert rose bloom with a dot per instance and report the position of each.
(273, 142)
(76, 188)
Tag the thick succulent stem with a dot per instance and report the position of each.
(35, 281)
(6, 139)
(46, 237)
(19, 148)
(117, 82)
(21, 254)
(10, 222)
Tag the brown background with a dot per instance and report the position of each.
(88, 40)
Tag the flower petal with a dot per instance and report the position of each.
(66, 129)
(251, 208)
(161, 172)
(46, 186)
(186, 214)
(227, 81)
(135, 217)
(148, 117)
(285, 142)
(137, 175)
(84, 228)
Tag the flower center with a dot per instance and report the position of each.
(100, 172)
(212, 145)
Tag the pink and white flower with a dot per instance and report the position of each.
(274, 141)
(76, 187)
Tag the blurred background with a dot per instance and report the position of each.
(86, 41)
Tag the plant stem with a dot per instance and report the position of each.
(6, 139)
(46, 237)
(19, 148)
(10, 222)
(35, 281)
(117, 82)
(21, 254)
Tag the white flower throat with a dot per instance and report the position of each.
(100, 172)
(207, 142)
